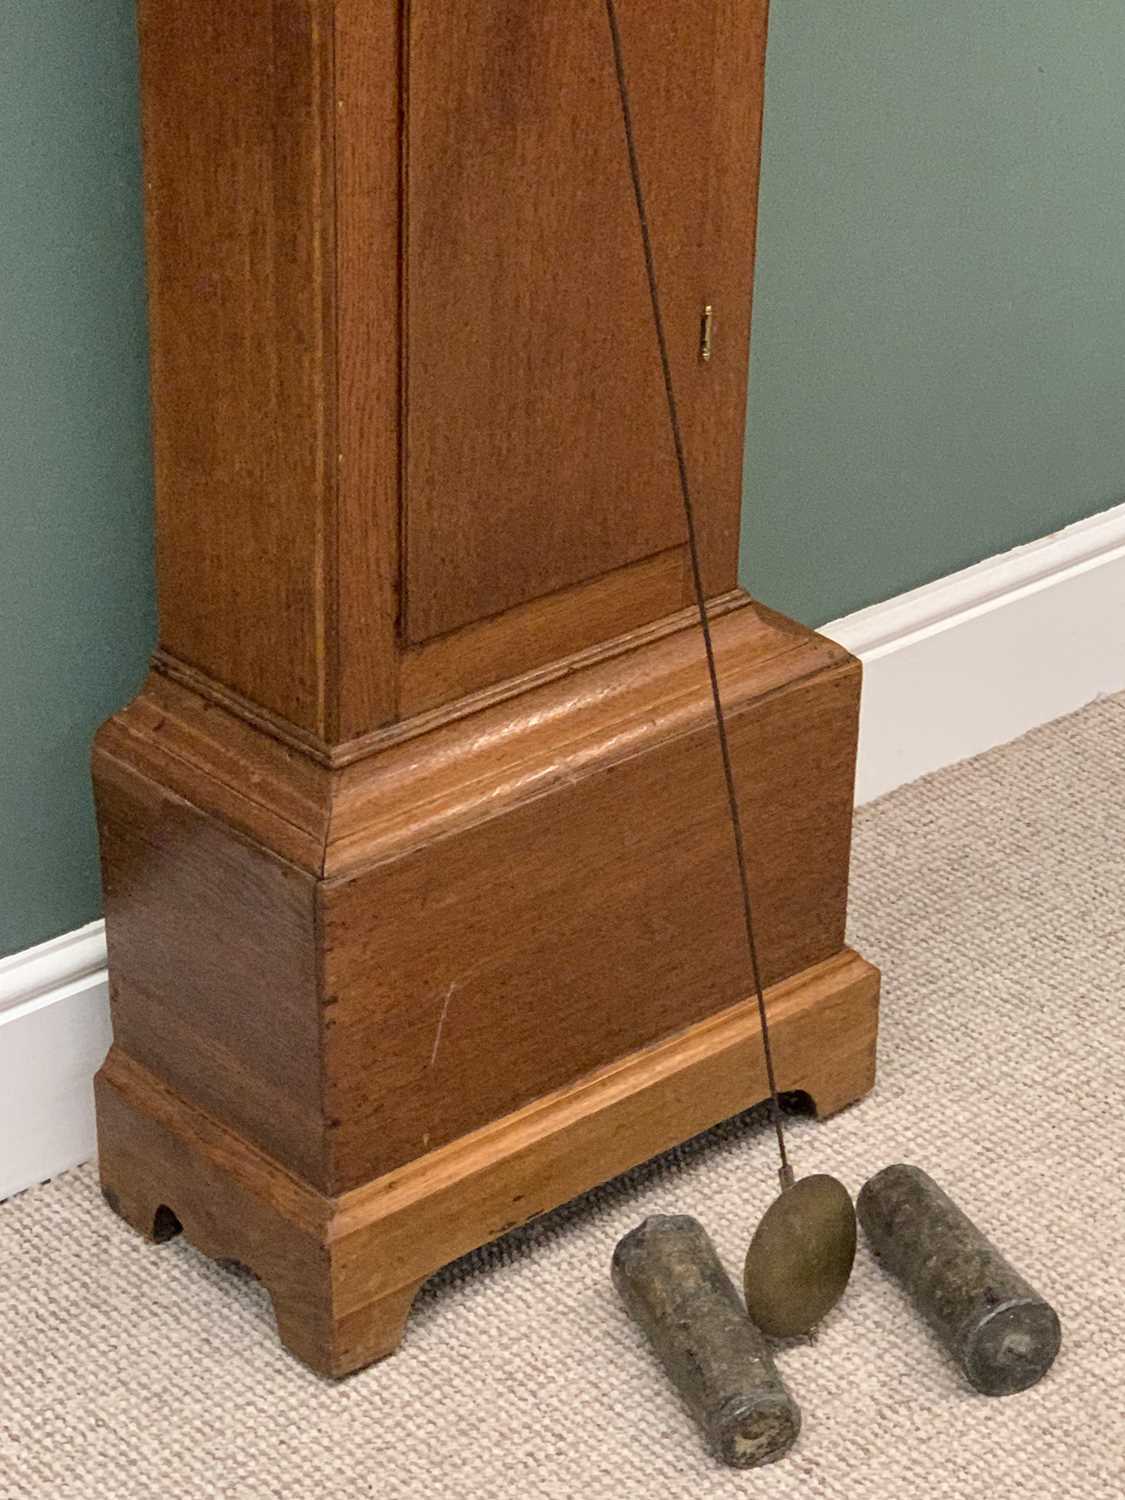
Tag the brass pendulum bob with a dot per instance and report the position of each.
(800, 1258)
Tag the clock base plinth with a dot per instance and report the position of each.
(342, 1271)
(375, 1004)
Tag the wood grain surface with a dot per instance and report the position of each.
(409, 433)
(549, 629)
(343, 1270)
(238, 122)
(353, 966)
(213, 964)
(494, 953)
(537, 444)
(364, 637)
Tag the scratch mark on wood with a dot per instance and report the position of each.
(441, 1022)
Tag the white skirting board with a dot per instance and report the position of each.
(54, 1032)
(982, 656)
(950, 669)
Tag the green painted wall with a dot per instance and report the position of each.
(937, 371)
(938, 365)
(76, 594)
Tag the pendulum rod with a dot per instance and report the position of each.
(786, 1172)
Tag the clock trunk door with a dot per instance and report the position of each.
(537, 454)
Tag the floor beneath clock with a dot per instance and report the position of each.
(993, 896)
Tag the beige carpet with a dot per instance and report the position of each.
(993, 895)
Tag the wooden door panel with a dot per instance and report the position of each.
(537, 450)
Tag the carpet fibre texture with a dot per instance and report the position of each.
(993, 896)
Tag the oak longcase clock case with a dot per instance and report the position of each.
(421, 908)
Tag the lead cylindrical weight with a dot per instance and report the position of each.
(674, 1286)
(1000, 1331)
